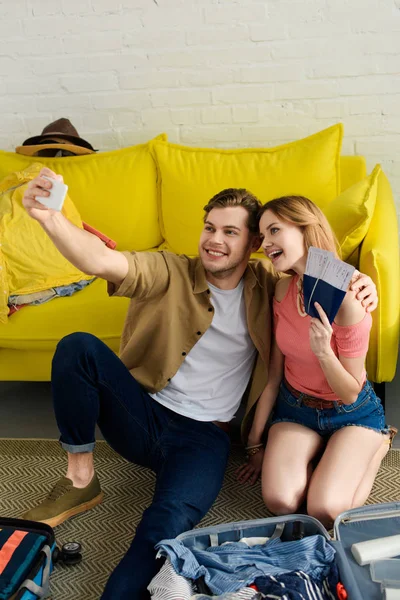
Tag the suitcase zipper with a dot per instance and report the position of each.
(374, 515)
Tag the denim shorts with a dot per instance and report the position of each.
(366, 411)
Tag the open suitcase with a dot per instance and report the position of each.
(361, 524)
(28, 552)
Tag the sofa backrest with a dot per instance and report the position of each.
(116, 191)
(352, 170)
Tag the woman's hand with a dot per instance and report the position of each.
(251, 470)
(320, 334)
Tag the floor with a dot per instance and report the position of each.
(26, 409)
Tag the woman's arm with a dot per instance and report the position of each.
(250, 471)
(268, 397)
(344, 375)
(275, 374)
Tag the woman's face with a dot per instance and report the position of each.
(283, 243)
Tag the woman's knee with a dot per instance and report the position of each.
(281, 502)
(326, 508)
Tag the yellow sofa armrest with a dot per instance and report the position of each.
(379, 258)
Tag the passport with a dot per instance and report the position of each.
(326, 280)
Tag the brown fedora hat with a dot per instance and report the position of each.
(60, 132)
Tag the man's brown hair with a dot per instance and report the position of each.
(237, 197)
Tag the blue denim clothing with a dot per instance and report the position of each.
(69, 290)
(366, 411)
(229, 567)
(299, 586)
(51, 293)
(91, 385)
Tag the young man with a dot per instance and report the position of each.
(197, 331)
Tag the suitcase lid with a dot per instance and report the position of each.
(215, 535)
(362, 524)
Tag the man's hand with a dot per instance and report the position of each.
(39, 187)
(365, 290)
(251, 470)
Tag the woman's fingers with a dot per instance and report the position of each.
(244, 473)
(254, 477)
(322, 314)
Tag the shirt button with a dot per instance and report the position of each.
(199, 333)
(169, 379)
(183, 353)
(210, 309)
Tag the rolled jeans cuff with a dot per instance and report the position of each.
(72, 449)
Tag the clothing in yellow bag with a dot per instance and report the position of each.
(29, 261)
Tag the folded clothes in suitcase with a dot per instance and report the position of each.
(352, 580)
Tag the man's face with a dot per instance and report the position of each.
(226, 242)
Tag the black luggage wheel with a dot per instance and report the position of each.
(69, 553)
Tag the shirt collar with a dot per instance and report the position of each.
(200, 281)
(250, 276)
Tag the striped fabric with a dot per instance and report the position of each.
(167, 585)
(231, 567)
(244, 594)
(18, 550)
(299, 586)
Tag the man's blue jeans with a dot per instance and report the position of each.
(91, 385)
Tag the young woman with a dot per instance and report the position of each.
(325, 407)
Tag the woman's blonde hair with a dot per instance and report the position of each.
(303, 213)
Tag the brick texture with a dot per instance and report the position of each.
(207, 72)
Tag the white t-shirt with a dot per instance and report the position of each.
(211, 381)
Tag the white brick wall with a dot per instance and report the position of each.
(215, 72)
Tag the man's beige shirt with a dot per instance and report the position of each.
(170, 310)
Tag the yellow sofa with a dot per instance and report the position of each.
(119, 193)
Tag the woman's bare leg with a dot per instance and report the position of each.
(365, 487)
(345, 473)
(287, 466)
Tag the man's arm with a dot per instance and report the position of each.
(84, 250)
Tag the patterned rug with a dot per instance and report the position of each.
(28, 468)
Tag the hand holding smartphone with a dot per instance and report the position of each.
(57, 192)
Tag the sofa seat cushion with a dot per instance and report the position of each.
(41, 327)
(189, 177)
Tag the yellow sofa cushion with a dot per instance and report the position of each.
(29, 261)
(350, 214)
(189, 177)
(115, 192)
(352, 170)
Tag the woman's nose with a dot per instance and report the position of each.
(265, 243)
